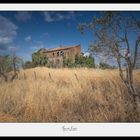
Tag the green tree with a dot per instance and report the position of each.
(28, 64)
(84, 61)
(68, 63)
(90, 61)
(39, 59)
(44, 60)
(5, 66)
(9, 64)
(80, 61)
(103, 65)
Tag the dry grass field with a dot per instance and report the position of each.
(67, 95)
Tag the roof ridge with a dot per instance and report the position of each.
(64, 47)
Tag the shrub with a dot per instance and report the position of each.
(39, 59)
(80, 61)
(103, 65)
(28, 64)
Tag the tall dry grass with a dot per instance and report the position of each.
(67, 95)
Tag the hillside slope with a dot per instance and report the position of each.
(67, 95)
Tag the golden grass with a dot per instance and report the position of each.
(67, 95)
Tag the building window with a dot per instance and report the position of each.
(53, 54)
(57, 53)
(62, 53)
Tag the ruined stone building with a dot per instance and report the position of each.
(57, 55)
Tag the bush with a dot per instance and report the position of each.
(28, 64)
(68, 63)
(103, 65)
(80, 61)
(39, 59)
(5, 64)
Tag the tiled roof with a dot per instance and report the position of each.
(61, 48)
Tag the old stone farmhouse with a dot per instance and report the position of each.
(57, 55)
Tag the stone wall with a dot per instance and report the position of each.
(56, 55)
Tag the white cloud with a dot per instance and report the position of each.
(23, 15)
(58, 16)
(8, 32)
(5, 40)
(28, 38)
(87, 54)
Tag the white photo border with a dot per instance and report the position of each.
(66, 7)
(69, 129)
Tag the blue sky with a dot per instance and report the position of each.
(25, 32)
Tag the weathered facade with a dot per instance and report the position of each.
(57, 55)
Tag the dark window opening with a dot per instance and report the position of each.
(53, 54)
(62, 53)
(57, 53)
